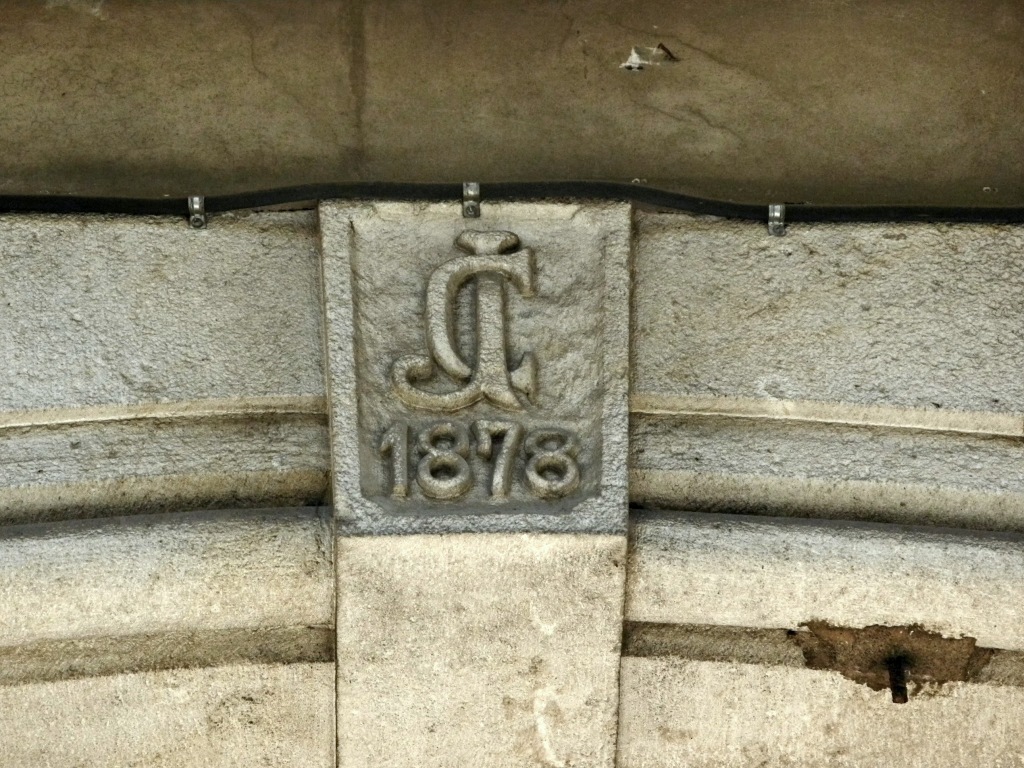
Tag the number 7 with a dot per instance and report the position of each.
(511, 435)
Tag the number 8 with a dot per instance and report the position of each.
(551, 470)
(443, 472)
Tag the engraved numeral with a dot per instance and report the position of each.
(443, 472)
(551, 468)
(511, 435)
(395, 443)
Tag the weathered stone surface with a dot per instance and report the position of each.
(780, 467)
(815, 406)
(132, 465)
(101, 310)
(261, 74)
(265, 715)
(478, 649)
(756, 572)
(865, 358)
(447, 337)
(712, 642)
(477, 386)
(861, 654)
(147, 575)
(681, 712)
(898, 314)
(499, 647)
(137, 347)
(102, 655)
(820, 102)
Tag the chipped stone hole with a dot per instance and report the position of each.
(904, 660)
(642, 56)
(893, 658)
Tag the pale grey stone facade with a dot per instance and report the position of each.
(817, 430)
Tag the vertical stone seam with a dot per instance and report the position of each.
(331, 527)
(625, 320)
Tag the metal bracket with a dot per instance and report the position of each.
(777, 219)
(471, 200)
(197, 211)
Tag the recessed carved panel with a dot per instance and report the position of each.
(481, 384)
(483, 365)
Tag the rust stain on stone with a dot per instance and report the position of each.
(868, 655)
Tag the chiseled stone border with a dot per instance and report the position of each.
(340, 223)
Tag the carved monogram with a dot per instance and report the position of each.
(527, 453)
(492, 261)
(478, 369)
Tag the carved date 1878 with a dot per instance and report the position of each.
(442, 451)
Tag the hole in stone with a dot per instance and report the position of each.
(897, 666)
(889, 658)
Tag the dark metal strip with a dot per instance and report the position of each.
(636, 193)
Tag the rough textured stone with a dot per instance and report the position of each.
(710, 642)
(131, 466)
(478, 649)
(827, 471)
(828, 452)
(100, 310)
(911, 315)
(478, 380)
(136, 348)
(494, 648)
(393, 294)
(756, 572)
(836, 499)
(680, 712)
(103, 655)
(170, 573)
(858, 653)
(261, 74)
(272, 716)
(815, 406)
(857, 356)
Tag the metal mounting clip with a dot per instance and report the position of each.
(777, 219)
(471, 200)
(197, 211)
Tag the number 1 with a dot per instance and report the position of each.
(395, 442)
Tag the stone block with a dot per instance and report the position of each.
(477, 387)
(758, 572)
(727, 715)
(135, 348)
(151, 574)
(122, 310)
(222, 717)
(479, 649)
(494, 350)
(824, 372)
